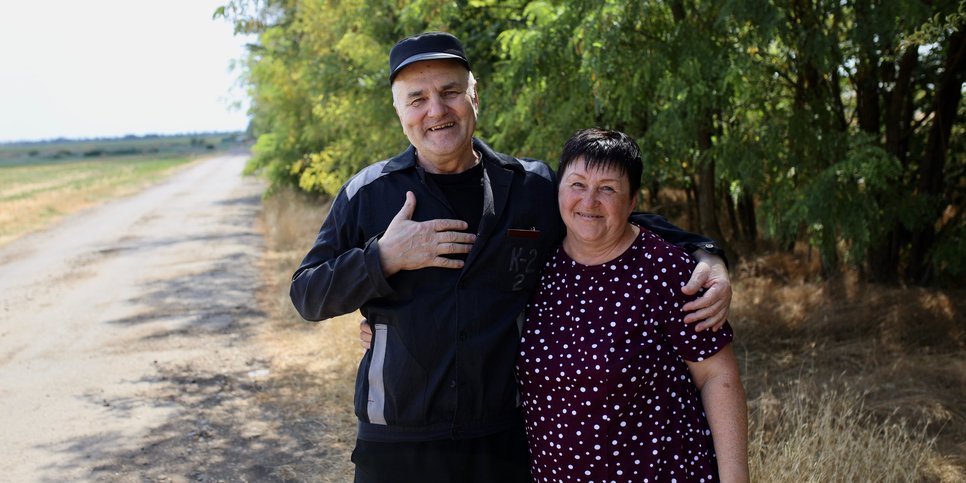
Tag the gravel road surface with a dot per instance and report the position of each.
(126, 349)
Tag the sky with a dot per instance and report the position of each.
(109, 68)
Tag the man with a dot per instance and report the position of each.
(443, 280)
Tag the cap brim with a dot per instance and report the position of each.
(426, 56)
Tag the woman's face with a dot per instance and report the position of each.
(595, 203)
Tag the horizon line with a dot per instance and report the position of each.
(64, 139)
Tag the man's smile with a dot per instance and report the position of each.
(442, 126)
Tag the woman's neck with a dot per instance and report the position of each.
(598, 253)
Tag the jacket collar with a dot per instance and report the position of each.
(407, 158)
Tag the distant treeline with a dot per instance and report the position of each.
(833, 124)
(130, 145)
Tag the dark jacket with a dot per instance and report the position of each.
(445, 340)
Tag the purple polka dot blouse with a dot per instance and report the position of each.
(606, 392)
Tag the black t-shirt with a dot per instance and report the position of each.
(464, 192)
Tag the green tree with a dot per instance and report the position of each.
(317, 80)
(833, 123)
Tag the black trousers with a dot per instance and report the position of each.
(498, 458)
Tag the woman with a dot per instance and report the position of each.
(615, 387)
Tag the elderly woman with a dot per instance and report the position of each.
(615, 386)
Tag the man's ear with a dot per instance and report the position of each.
(395, 108)
(392, 98)
(475, 87)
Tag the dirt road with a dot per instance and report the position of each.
(125, 339)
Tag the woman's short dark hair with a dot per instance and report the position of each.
(602, 148)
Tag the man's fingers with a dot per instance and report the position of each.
(365, 335)
(704, 313)
(451, 243)
(713, 323)
(711, 309)
(451, 238)
(444, 262)
(406, 212)
(698, 278)
(453, 248)
(706, 299)
(455, 237)
(449, 225)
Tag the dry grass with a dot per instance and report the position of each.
(313, 364)
(850, 381)
(36, 194)
(818, 434)
(845, 381)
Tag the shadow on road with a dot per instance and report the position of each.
(224, 422)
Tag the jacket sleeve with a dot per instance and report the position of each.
(341, 272)
(676, 236)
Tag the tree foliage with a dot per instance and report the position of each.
(834, 123)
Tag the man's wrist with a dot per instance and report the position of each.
(699, 250)
(380, 260)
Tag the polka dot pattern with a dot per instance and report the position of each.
(606, 392)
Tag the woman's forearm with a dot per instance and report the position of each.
(727, 412)
(723, 398)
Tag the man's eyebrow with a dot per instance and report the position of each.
(450, 85)
(414, 93)
(445, 87)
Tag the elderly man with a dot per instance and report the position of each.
(440, 247)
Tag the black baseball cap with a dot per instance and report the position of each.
(425, 46)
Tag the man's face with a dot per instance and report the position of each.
(437, 109)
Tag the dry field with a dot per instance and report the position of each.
(845, 381)
(37, 193)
